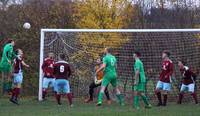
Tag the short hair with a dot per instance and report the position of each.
(167, 52)
(62, 56)
(109, 50)
(137, 53)
(9, 40)
(50, 54)
(18, 50)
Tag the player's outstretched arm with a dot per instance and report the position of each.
(24, 64)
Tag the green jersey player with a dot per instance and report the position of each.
(110, 76)
(139, 82)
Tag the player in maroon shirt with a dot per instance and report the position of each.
(188, 82)
(62, 72)
(18, 76)
(164, 83)
(48, 79)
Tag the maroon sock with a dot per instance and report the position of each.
(69, 96)
(58, 96)
(17, 92)
(44, 92)
(165, 99)
(194, 95)
(181, 95)
(13, 93)
(159, 97)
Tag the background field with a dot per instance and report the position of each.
(31, 107)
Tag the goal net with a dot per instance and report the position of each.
(84, 46)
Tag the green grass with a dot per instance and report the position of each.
(31, 107)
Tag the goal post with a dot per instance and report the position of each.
(77, 42)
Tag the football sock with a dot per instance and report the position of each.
(69, 96)
(17, 93)
(144, 98)
(58, 98)
(165, 99)
(194, 95)
(180, 98)
(13, 93)
(44, 92)
(136, 101)
(159, 97)
(120, 98)
(100, 97)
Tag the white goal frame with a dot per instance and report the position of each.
(42, 37)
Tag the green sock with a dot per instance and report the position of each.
(144, 98)
(100, 97)
(120, 98)
(136, 101)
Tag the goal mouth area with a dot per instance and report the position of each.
(83, 46)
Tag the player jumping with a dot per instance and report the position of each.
(48, 79)
(110, 76)
(139, 82)
(188, 82)
(17, 76)
(164, 84)
(6, 65)
(62, 72)
(97, 82)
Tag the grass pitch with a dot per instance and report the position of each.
(31, 107)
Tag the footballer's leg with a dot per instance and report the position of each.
(44, 89)
(100, 96)
(193, 93)
(69, 94)
(57, 89)
(181, 94)
(141, 89)
(104, 84)
(159, 87)
(107, 95)
(167, 89)
(136, 99)
(18, 78)
(120, 97)
(91, 91)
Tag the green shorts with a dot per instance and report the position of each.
(139, 87)
(109, 79)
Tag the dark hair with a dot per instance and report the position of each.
(137, 53)
(62, 56)
(167, 52)
(10, 41)
(109, 50)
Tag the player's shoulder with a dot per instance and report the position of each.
(138, 62)
(61, 62)
(168, 61)
(46, 59)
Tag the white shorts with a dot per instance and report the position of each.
(163, 86)
(48, 82)
(187, 88)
